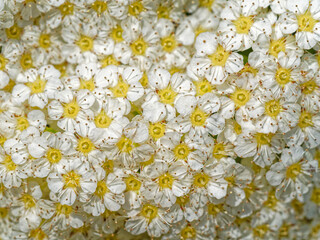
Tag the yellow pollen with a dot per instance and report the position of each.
(26, 61)
(109, 60)
(116, 33)
(167, 95)
(54, 155)
(306, 22)
(28, 201)
(14, 32)
(293, 171)
(22, 123)
(198, 117)
(102, 120)
(181, 151)
(188, 233)
(149, 212)
(85, 145)
(44, 41)
(157, 130)
(101, 189)
(87, 84)
(136, 8)
(163, 11)
(273, 108)
(37, 234)
(305, 120)
(214, 209)
(277, 46)
(308, 87)
(108, 166)
(99, 7)
(125, 145)
(71, 179)
(71, 110)
(220, 57)
(243, 24)
(38, 86)
(9, 164)
(66, 8)
(201, 180)
(263, 139)
(132, 183)
(85, 43)
(315, 196)
(166, 181)
(63, 209)
(121, 89)
(3, 62)
(240, 97)
(168, 43)
(260, 231)
(139, 47)
(203, 87)
(219, 151)
(283, 76)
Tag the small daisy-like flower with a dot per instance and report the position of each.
(37, 86)
(291, 176)
(70, 179)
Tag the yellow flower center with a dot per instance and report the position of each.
(273, 108)
(203, 87)
(231, 180)
(166, 181)
(308, 87)
(163, 11)
(315, 196)
(249, 69)
(87, 84)
(101, 189)
(125, 145)
(71, 110)
(206, 3)
(121, 89)
(314, 231)
(167, 95)
(9, 164)
(71, 179)
(63, 209)
(243, 24)
(284, 231)
(62, 68)
(277, 46)
(108, 166)
(44, 41)
(85, 145)
(182, 201)
(149, 212)
(139, 47)
(214, 209)
(22, 123)
(168, 43)
(148, 162)
(116, 33)
(3, 62)
(237, 127)
(305, 120)
(14, 32)
(157, 130)
(37, 86)
(293, 171)
(144, 80)
(133, 184)
(201, 180)
(306, 22)
(198, 117)
(2, 140)
(188, 233)
(85, 43)
(3, 212)
(219, 151)
(219, 57)
(135, 8)
(66, 8)
(37, 234)
(260, 231)
(181, 151)
(263, 139)
(28, 201)
(249, 190)
(9, 86)
(26, 61)
(109, 60)
(283, 76)
(99, 6)
(200, 30)
(240, 97)
(102, 120)
(54, 155)
(272, 201)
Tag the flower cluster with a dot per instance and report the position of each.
(159, 119)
